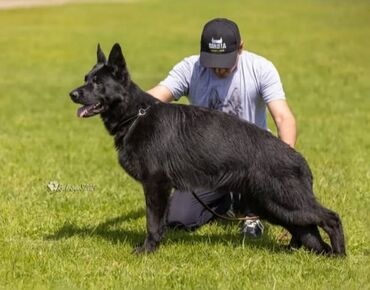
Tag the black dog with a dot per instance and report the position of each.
(166, 146)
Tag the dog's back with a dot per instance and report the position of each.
(209, 145)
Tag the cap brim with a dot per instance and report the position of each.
(218, 60)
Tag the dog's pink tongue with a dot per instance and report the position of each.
(81, 111)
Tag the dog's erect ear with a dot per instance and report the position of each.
(116, 59)
(100, 55)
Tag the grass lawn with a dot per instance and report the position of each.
(82, 237)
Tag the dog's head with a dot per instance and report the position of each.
(103, 84)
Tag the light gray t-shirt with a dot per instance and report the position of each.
(244, 93)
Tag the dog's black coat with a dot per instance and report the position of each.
(187, 147)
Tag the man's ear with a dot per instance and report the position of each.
(117, 61)
(241, 46)
(100, 56)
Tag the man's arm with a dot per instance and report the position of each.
(284, 121)
(162, 93)
(176, 84)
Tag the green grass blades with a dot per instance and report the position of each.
(81, 235)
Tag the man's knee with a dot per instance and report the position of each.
(185, 212)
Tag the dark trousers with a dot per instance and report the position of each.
(186, 212)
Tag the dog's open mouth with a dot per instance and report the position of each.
(89, 110)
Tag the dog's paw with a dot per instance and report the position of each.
(138, 250)
(143, 250)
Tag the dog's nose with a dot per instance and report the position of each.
(74, 95)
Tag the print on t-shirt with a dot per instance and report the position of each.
(230, 105)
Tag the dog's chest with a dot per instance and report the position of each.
(130, 163)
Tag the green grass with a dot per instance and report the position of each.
(83, 239)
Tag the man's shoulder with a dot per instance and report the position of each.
(191, 60)
(257, 63)
(187, 65)
(253, 58)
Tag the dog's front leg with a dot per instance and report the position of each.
(156, 198)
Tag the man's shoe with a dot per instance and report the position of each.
(252, 228)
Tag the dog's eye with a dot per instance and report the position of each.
(95, 79)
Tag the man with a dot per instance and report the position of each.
(225, 77)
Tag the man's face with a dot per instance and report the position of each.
(223, 73)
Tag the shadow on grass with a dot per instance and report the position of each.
(106, 231)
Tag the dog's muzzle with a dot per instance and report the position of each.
(74, 95)
(87, 110)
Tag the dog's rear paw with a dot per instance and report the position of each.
(144, 249)
(139, 250)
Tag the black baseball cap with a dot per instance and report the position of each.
(219, 44)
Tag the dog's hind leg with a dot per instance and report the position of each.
(303, 227)
(156, 199)
(302, 224)
(332, 225)
(310, 238)
(305, 218)
(295, 242)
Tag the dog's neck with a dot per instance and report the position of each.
(117, 118)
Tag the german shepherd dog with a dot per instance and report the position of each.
(166, 146)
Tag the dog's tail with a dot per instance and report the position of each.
(332, 225)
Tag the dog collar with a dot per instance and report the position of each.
(133, 118)
(142, 111)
